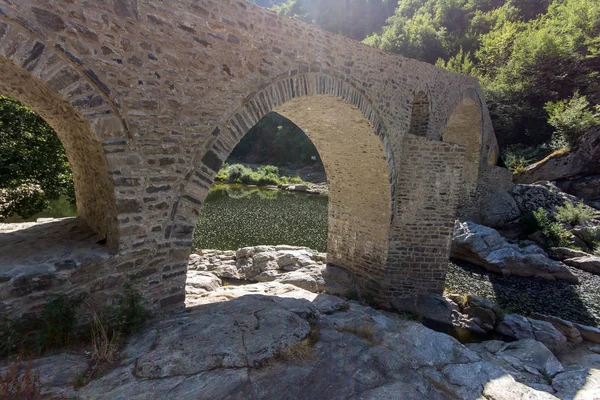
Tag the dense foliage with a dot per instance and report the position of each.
(34, 168)
(263, 176)
(278, 141)
(538, 60)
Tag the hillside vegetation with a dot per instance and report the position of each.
(537, 60)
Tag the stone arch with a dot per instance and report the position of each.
(420, 113)
(359, 166)
(465, 128)
(59, 93)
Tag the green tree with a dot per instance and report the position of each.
(572, 118)
(34, 168)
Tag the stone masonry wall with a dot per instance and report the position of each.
(162, 92)
(421, 232)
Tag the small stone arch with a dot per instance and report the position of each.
(358, 226)
(420, 113)
(40, 78)
(465, 128)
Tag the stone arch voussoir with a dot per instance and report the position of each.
(254, 107)
(43, 78)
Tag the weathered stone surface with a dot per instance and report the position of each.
(540, 195)
(587, 263)
(56, 373)
(485, 247)
(504, 389)
(579, 384)
(589, 333)
(206, 281)
(563, 253)
(498, 209)
(565, 327)
(515, 326)
(569, 168)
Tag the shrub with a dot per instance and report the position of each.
(296, 180)
(269, 179)
(59, 319)
(130, 312)
(572, 118)
(269, 169)
(556, 235)
(574, 215)
(236, 171)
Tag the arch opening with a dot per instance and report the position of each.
(358, 178)
(464, 128)
(94, 193)
(419, 118)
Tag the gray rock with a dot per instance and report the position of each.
(203, 280)
(587, 263)
(590, 235)
(540, 195)
(563, 253)
(436, 309)
(506, 389)
(589, 333)
(579, 384)
(565, 327)
(485, 247)
(515, 326)
(533, 354)
(581, 161)
(498, 209)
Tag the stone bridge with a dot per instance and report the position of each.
(149, 98)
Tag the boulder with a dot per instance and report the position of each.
(582, 161)
(498, 209)
(565, 327)
(587, 263)
(590, 235)
(540, 195)
(516, 327)
(563, 253)
(437, 310)
(485, 247)
(578, 384)
(206, 281)
(589, 333)
(505, 388)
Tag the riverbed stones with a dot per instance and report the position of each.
(485, 247)
(565, 327)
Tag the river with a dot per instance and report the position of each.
(235, 216)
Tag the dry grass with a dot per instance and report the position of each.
(363, 330)
(20, 382)
(298, 353)
(105, 347)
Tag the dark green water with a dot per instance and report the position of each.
(60, 208)
(235, 216)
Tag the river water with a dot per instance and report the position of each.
(235, 216)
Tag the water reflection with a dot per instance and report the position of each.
(235, 216)
(59, 208)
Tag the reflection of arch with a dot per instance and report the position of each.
(93, 187)
(465, 128)
(349, 137)
(419, 118)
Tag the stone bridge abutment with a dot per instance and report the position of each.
(150, 98)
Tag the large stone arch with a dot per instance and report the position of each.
(465, 128)
(350, 138)
(80, 114)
